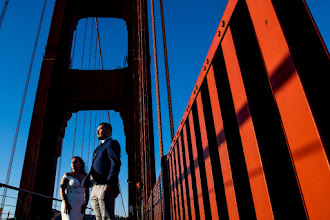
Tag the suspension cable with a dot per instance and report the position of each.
(58, 177)
(83, 52)
(81, 67)
(3, 12)
(95, 52)
(167, 72)
(23, 103)
(108, 114)
(99, 42)
(156, 78)
(89, 65)
(90, 49)
(74, 134)
(74, 46)
(76, 117)
(94, 146)
(89, 137)
(83, 136)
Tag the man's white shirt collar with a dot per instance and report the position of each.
(102, 141)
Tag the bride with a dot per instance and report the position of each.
(74, 196)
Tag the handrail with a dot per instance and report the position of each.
(26, 191)
(33, 193)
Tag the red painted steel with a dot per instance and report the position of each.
(252, 156)
(207, 159)
(189, 178)
(175, 189)
(222, 146)
(197, 171)
(307, 150)
(178, 181)
(183, 181)
(171, 185)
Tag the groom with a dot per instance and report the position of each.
(103, 177)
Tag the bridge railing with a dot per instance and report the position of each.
(8, 211)
(253, 141)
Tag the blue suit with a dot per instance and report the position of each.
(104, 171)
(106, 163)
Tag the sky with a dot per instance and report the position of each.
(190, 28)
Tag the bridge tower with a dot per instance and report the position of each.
(63, 91)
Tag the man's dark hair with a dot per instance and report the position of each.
(107, 126)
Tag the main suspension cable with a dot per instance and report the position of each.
(23, 103)
(156, 78)
(167, 72)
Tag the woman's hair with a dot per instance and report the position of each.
(82, 165)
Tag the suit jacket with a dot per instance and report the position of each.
(106, 165)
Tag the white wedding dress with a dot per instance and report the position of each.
(75, 193)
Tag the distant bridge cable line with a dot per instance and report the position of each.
(3, 12)
(23, 101)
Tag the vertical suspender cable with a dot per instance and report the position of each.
(95, 54)
(74, 46)
(76, 118)
(83, 136)
(3, 12)
(22, 104)
(108, 114)
(156, 78)
(74, 134)
(81, 67)
(95, 132)
(89, 138)
(83, 52)
(167, 72)
(90, 49)
(89, 67)
(58, 178)
(99, 43)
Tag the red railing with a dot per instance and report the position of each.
(253, 141)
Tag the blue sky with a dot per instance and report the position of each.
(190, 28)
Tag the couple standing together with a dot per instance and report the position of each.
(103, 178)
